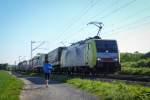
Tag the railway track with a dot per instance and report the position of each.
(131, 79)
(139, 78)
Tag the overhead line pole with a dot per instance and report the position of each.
(33, 49)
(31, 54)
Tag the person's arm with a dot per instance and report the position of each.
(50, 67)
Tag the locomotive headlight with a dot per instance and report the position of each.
(99, 59)
(115, 59)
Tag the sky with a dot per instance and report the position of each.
(62, 22)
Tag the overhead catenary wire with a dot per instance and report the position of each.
(87, 12)
(129, 24)
(132, 27)
(116, 10)
(132, 15)
(79, 18)
(105, 8)
(74, 33)
(127, 4)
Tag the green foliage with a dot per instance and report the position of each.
(3, 66)
(133, 57)
(146, 55)
(143, 63)
(112, 91)
(135, 63)
(139, 64)
(129, 57)
(9, 87)
(135, 71)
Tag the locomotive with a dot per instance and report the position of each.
(93, 55)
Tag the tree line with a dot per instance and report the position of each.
(135, 59)
(4, 66)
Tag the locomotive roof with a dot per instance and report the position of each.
(105, 39)
(92, 38)
(56, 49)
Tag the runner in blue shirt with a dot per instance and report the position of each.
(47, 68)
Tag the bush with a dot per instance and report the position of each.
(133, 57)
(135, 71)
(143, 63)
(129, 57)
(139, 64)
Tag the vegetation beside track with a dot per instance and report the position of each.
(135, 63)
(116, 90)
(10, 86)
(134, 57)
(135, 71)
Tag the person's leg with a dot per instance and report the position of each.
(46, 83)
(47, 79)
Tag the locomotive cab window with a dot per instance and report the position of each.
(109, 46)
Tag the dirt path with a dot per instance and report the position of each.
(34, 89)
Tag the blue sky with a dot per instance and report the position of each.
(55, 21)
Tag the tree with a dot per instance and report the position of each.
(3, 66)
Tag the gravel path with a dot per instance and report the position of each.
(34, 89)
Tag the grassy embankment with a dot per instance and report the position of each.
(10, 86)
(135, 63)
(135, 71)
(116, 90)
(140, 67)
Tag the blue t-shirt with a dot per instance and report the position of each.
(47, 68)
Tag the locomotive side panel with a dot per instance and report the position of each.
(90, 54)
(73, 56)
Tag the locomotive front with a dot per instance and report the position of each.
(107, 53)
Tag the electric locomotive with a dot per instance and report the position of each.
(92, 55)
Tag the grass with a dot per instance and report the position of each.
(112, 91)
(135, 71)
(138, 64)
(116, 90)
(10, 86)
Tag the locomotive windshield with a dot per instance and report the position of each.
(109, 46)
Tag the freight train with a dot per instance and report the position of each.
(90, 56)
